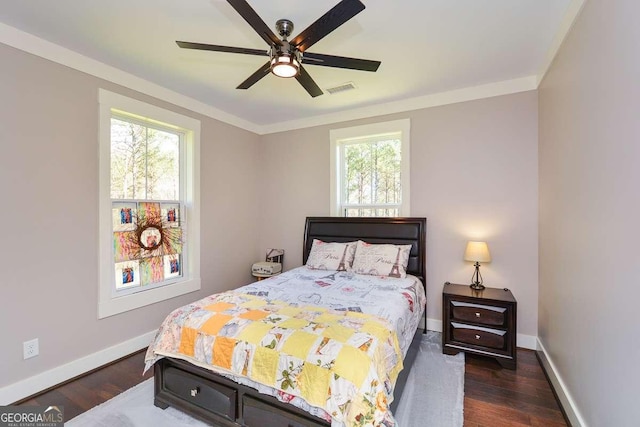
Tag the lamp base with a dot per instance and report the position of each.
(476, 279)
(476, 286)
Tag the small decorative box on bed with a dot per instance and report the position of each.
(323, 344)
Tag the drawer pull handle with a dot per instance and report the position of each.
(195, 391)
(477, 314)
(477, 337)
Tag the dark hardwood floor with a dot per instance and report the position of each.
(494, 397)
(83, 393)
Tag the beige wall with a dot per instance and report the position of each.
(589, 210)
(473, 175)
(49, 216)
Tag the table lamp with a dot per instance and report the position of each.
(477, 252)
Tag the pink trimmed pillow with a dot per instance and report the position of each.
(331, 256)
(381, 260)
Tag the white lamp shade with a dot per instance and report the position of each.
(477, 252)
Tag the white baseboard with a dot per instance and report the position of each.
(522, 340)
(526, 341)
(433, 324)
(32, 385)
(568, 404)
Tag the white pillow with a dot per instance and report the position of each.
(381, 260)
(331, 256)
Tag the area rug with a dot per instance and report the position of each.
(433, 396)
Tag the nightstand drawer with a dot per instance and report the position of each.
(474, 335)
(478, 313)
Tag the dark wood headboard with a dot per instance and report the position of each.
(397, 231)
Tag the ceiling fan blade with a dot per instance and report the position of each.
(252, 18)
(340, 62)
(328, 22)
(307, 83)
(216, 48)
(255, 77)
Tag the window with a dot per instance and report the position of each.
(370, 170)
(149, 212)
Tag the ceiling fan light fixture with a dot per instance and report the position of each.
(285, 65)
(285, 58)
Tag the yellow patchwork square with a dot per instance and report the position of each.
(253, 315)
(298, 344)
(223, 352)
(314, 384)
(254, 332)
(215, 323)
(376, 329)
(338, 333)
(187, 341)
(326, 318)
(293, 323)
(357, 314)
(265, 366)
(393, 375)
(289, 311)
(314, 308)
(352, 364)
(253, 303)
(357, 407)
(219, 306)
(276, 304)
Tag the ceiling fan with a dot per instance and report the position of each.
(286, 57)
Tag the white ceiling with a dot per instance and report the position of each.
(426, 47)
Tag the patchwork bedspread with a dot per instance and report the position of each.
(337, 363)
(400, 301)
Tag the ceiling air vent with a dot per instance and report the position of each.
(341, 88)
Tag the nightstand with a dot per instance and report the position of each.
(479, 322)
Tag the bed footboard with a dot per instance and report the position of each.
(221, 402)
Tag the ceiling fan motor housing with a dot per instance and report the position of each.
(284, 27)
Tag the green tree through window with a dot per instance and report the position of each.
(369, 169)
(145, 162)
(372, 177)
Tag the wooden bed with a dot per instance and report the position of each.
(222, 402)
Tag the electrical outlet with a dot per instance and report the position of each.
(30, 348)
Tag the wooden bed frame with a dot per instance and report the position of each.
(217, 400)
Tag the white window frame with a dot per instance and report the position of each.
(110, 303)
(341, 137)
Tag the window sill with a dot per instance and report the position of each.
(129, 302)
